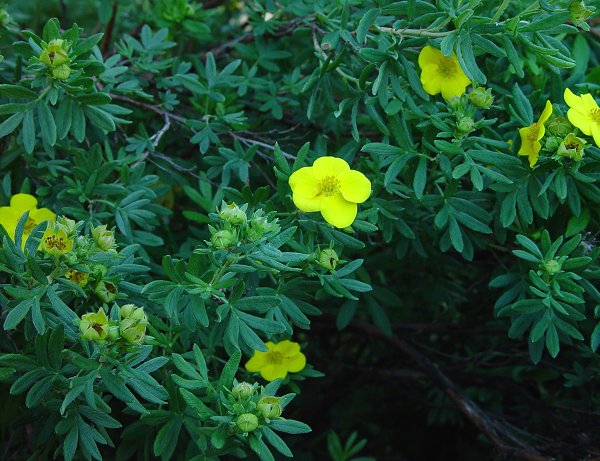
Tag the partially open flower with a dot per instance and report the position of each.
(94, 326)
(328, 259)
(270, 407)
(55, 53)
(103, 238)
(77, 277)
(571, 147)
(106, 291)
(55, 241)
(133, 323)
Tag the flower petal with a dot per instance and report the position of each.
(455, 86)
(338, 211)
(526, 146)
(296, 363)
(596, 133)
(329, 166)
(431, 79)
(271, 372)
(42, 214)
(355, 187)
(429, 55)
(589, 103)
(304, 183)
(8, 219)
(287, 347)
(546, 113)
(23, 202)
(581, 121)
(535, 154)
(571, 99)
(258, 361)
(307, 205)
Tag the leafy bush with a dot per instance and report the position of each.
(206, 207)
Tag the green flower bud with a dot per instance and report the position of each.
(243, 390)
(466, 124)
(552, 142)
(232, 213)
(133, 323)
(103, 238)
(328, 259)
(580, 12)
(247, 422)
(223, 238)
(114, 333)
(106, 291)
(55, 53)
(558, 126)
(260, 226)
(270, 407)
(61, 72)
(552, 267)
(481, 97)
(571, 147)
(94, 326)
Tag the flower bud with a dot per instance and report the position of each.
(328, 259)
(55, 53)
(552, 267)
(247, 422)
(260, 226)
(61, 72)
(103, 238)
(106, 291)
(133, 323)
(243, 390)
(114, 333)
(552, 142)
(579, 12)
(223, 239)
(270, 407)
(571, 147)
(481, 97)
(466, 124)
(559, 126)
(94, 326)
(232, 213)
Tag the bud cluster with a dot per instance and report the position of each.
(238, 228)
(130, 329)
(250, 407)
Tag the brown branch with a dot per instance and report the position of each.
(109, 29)
(494, 428)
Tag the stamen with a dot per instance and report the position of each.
(595, 115)
(533, 132)
(447, 66)
(329, 185)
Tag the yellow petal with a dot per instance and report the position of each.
(23, 202)
(355, 187)
(589, 104)
(546, 113)
(272, 372)
(583, 122)
(304, 183)
(329, 166)
(8, 219)
(541, 132)
(535, 154)
(42, 214)
(455, 86)
(596, 133)
(307, 205)
(571, 99)
(429, 55)
(337, 211)
(287, 347)
(258, 361)
(431, 79)
(296, 363)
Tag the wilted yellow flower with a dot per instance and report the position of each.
(94, 326)
(19, 205)
(281, 358)
(56, 242)
(584, 113)
(441, 73)
(331, 187)
(532, 134)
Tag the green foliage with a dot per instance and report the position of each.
(178, 125)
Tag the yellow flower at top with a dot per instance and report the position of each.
(584, 114)
(441, 73)
(331, 187)
(282, 357)
(532, 134)
(19, 205)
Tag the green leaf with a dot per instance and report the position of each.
(289, 426)
(18, 92)
(47, 124)
(11, 123)
(17, 314)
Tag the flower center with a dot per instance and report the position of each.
(595, 115)
(533, 132)
(97, 327)
(29, 225)
(329, 185)
(276, 357)
(52, 241)
(447, 67)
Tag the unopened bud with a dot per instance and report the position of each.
(481, 97)
(103, 238)
(270, 407)
(328, 259)
(232, 213)
(243, 390)
(552, 267)
(247, 422)
(223, 238)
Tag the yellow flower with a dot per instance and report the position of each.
(94, 326)
(56, 242)
(532, 134)
(331, 187)
(281, 358)
(440, 73)
(584, 113)
(19, 205)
